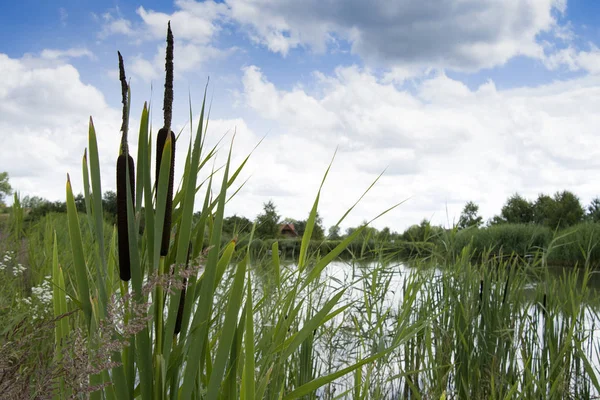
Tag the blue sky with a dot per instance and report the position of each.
(460, 101)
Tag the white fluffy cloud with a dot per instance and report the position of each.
(197, 24)
(465, 35)
(407, 37)
(44, 113)
(443, 144)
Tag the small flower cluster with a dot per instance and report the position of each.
(40, 301)
(8, 260)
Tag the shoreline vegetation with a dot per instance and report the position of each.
(574, 246)
(150, 300)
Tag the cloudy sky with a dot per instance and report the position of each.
(458, 100)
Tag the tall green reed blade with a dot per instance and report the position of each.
(149, 218)
(248, 378)
(229, 328)
(98, 214)
(184, 230)
(159, 261)
(200, 322)
(59, 301)
(142, 157)
(310, 223)
(83, 291)
(86, 191)
(143, 346)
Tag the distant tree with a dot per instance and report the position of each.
(5, 188)
(334, 233)
(561, 211)
(267, 223)
(517, 210)
(109, 202)
(318, 230)
(544, 210)
(299, 226)
(496, 220)
(33, 202)
(418, 233)
(384, 235)
(569, 210)
(593, 210)
(469, 216)
(350, 231)
(237, 225)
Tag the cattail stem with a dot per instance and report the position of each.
(168, 99)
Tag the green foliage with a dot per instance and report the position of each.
(469, 216)
(505, 239)
(334, 233)
(5, 188)
(593, 210)
(517, 210)
(577, 245)
(558, 212)
(267, 223)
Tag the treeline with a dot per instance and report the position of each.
(38, 207)
(559, 223)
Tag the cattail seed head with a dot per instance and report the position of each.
(179, 318)
(122, 228)
(124, 161)
(163, 134)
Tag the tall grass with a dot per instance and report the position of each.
(228, 343)
(202, 318)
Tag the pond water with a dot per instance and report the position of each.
(531, 330)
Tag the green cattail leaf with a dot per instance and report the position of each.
(224, 261)
(310, 223)
(248, 378)
(309, 326)
(98, 214)
(229, 328)
(149, 230)
(78, 255)
(162, 192)
(276, 264)
(324, 380)
(203, 311)
(142, 159)
(143, 346)
(165, 135)
(59, 302)
(184, 230)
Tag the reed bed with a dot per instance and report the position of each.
(168, 312)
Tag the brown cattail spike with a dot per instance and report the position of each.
(168, 99)
(124, 161)
(179, 318)
(122, 227)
